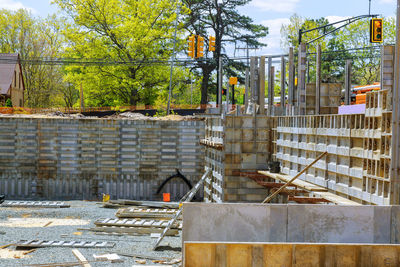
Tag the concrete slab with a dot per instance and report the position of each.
(234, 222)
(237, 222)
(338, 224)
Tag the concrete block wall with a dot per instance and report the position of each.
(290, 223)
(63, 158)
(358, 164)
(247, 142)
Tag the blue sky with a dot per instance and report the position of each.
(272, 13)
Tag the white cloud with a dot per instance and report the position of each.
(387, 1)
(333, 19)
(13, 5)
(273, 39)
(286, 6)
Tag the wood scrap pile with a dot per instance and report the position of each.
(123, 203)
(139, 219)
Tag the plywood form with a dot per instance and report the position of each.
(358, 164)
(82, 158)
(247, 142)
(203, 254)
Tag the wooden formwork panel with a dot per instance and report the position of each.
(359, 147)
(202, 254)
(59, 158)
(247, 145)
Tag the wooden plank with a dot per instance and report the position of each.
(307, 199)
(315, 189)
(299, 183)
(290, 254)
(80, 258)
(294, 178)
(150, 204)
(132, 230)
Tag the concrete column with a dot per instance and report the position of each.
(301, 80)
(347, 87)
(395, 159)
(220, 71)
(291, 79)
(283, 85)
(261, 98)
(271, 85)
(318, 82)
(254, 84)
(246, 90)
(387, 71)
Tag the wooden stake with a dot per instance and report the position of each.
(268, 199)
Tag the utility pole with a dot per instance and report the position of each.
(178, 9)
(395, 160)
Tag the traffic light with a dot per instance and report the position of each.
(376, 29)
(200, 46)
(223, 91)
(191, 46)
(211, 45)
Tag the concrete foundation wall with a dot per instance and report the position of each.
(63, 158)
(290, 223)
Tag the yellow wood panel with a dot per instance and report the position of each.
(239, 255)
(387, 256)
(307, 256)
(200, 255)
(278, 255)
(346, 256)
(291, 255)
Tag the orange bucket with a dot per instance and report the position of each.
(166, 197)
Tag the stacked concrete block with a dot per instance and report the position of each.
(63, 158)
(358, 163)
(247, 146)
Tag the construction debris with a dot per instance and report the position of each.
(136, 212)
(81, 258)
(121, 203)
(113, 258)
(34, 204)
(135, 223)
(74, 244)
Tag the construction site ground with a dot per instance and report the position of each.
(67, 224)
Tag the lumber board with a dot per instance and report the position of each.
(299, 183)
(199, 254)
(132, 230)
(150, 204)
(135, 223)
(81, 258)
(145, 213)
(33, 204)
(68, 243)
(315, 189)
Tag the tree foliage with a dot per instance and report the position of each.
(35, 38)
(136, 33)
(337, 48)
(222, 20)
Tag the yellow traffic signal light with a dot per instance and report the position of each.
(211, 45)
(376, 30)
(191, 46)
(200, 46)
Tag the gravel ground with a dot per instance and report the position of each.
(28, 223)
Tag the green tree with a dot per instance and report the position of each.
(222, 20)
(135, 34)
(34, 38)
